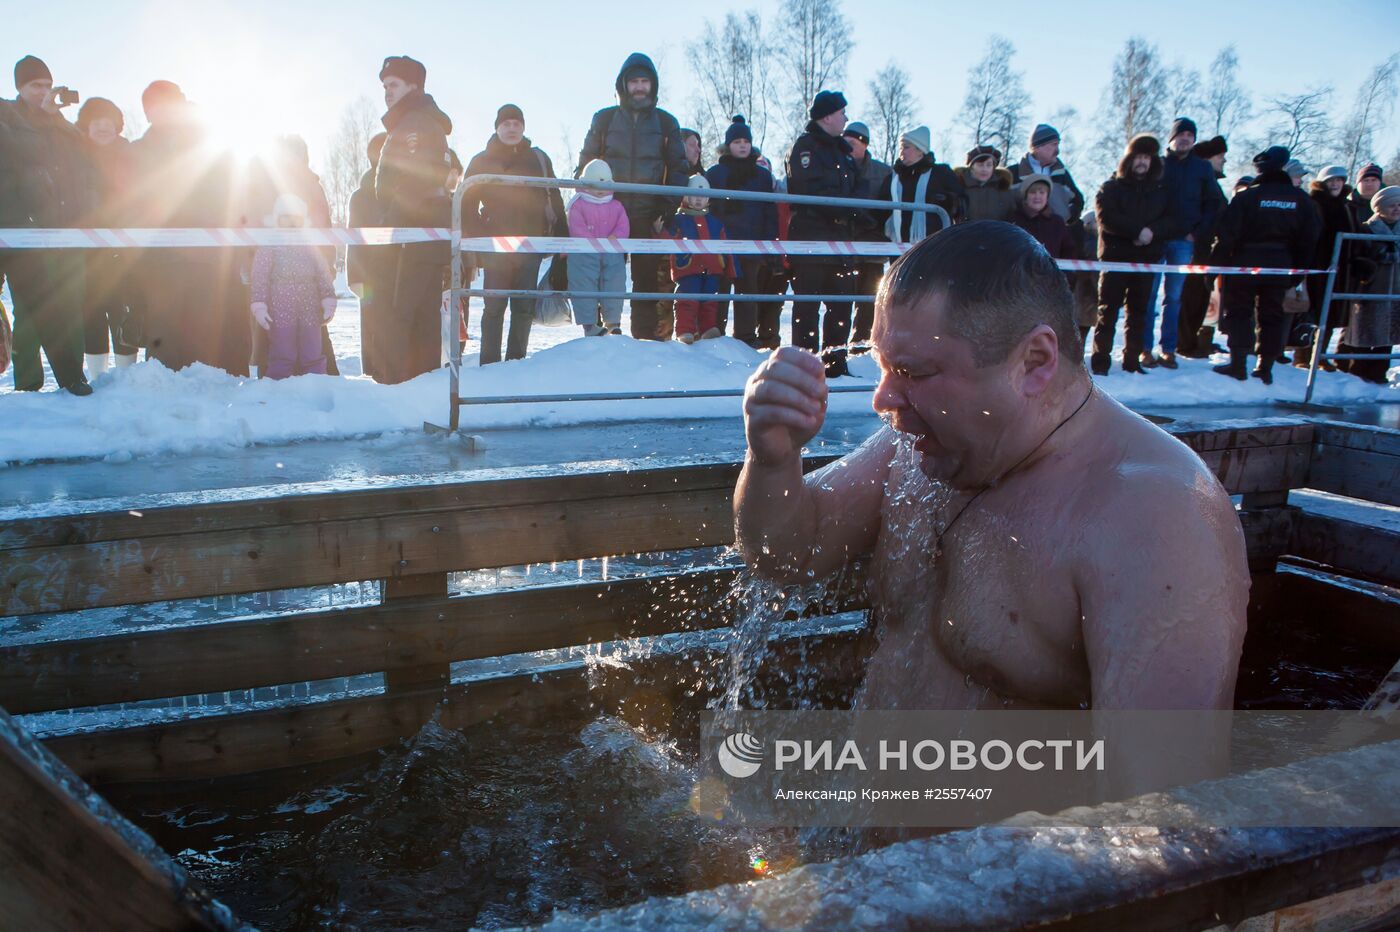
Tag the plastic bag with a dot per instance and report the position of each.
(553, 310)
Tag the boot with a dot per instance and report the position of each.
(1234, 368)
(712, 334)
(1264, 372)
(1134, 364)
(1099, 364)
(96, 364)
(1167, 361)
(687, 338)
(124, 361)
(1147, 360)
(81, 389)
(836, 366)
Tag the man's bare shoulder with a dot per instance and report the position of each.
(1144, 471)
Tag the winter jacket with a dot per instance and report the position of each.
(48, 181)
(366, 264)
(704, 227)
(743, 219)
(1048, 229)
(1360, 207)
(183, 180)
(292, 281)
(1125, 205)
(873, 175)
(1190, 180)
(641, 144)
(1065, 198)
(592, 220)
(1376, 323)
(114, 174)
(1271, 224)
(1337, 217)
(992, 199)
(821, 165)
(410, 182)
(942, 188)
(497, 210)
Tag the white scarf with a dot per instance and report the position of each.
(604, 198)
(918, 225)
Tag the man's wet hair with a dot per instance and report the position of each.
(997, 284)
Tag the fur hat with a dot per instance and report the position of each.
(99, 108)
(1209, 148)
(406, 69)
(920, 138)
(826, 103)
(597, 171)
(1042, 134)
(1143, 144)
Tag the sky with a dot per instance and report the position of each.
(261, 67)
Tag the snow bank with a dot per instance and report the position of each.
(147, 410)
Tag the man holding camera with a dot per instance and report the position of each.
(50, 183)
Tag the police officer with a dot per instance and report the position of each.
(1270, 224)
(821, 164)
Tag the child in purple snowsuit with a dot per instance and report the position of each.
(292, 296)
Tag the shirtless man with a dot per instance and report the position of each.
(1035, 544)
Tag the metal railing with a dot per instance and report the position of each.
(1320, 339)
(454, 323)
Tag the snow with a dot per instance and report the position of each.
(147, 410)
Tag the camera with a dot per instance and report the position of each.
(67, 96)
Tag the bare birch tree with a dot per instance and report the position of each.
(1183, 92)
(1133, 101)
(994, 109)
(134, 124)
(1300, 122)
(894, 110)
(1226, 103)
(730, 65)
(1375, 99)
(811, 43)
(346, 156)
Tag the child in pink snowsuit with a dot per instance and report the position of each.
(597, 214)
(292, 296)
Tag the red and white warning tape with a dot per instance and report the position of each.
(223, 238)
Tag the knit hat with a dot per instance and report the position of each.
(1371, 170)
(1028, 181)
(826, 103)
(1182, 125)
(161, 92)
(920, 138)
(508, 112)
(1385, 197)
(1144, 144)
(976, 153)
(1295, 168)
(99, 108)
(857, 130)
(1272, 159)
(288, 205)
(738, 129)
(405, 69)
(29, 69)
(1332, 171)
(1044, 133)
(1210, 147)
(597, 171)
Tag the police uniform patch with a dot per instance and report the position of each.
(806, 160)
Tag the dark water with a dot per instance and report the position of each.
(494, 826)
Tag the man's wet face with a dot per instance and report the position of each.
(932, 390)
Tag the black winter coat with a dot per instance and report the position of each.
(821, 165)
(642, 145)
(744, 219)
(368, 265)
(48, 180)
(945, 189)
(496, 210)
(1271, 224)
(410, 183)
(1337, 217)
(1125, 205)
(1191, 180)
(1066, 200)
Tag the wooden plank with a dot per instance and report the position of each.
(430, 672)
(1260, 432)
(69, 861)
(292, 735)
(1350, 546)
(1244, 470)
(177, 566)
(1362, 437)
(1268, 535)
(1368, 475)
